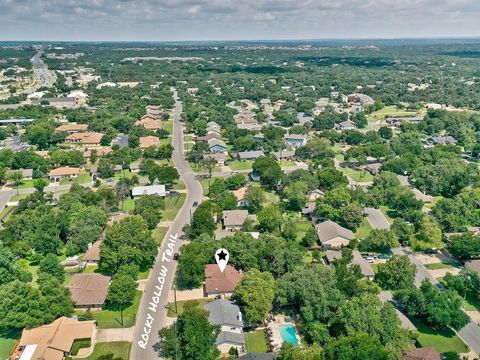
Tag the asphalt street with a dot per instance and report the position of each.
(152, 312)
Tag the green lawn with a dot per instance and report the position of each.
(363, 230)
(204, 183)
(83, 178)
(443, 341)
(172, 206)
(256, 342)
(18, 197)
(391, 111)
(168, 125)
(90, 268)
(181, 304)
(287, 163)
(197, 167)
(111, 319)
(440, 265)
(179, 185)
(26, 184)
(6, 212)
(111, 350)
(6, 346)
(357, 175)
(240, 165)
(302, 229)
(129, 205)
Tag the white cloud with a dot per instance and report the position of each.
(235, 19)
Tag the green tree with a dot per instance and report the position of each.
(379, 240)
(51, 266)
(15, 177)
(397, 273)
(269, 218)
(121, 292)
(296, 195)
(191, 337)
(255, 294)
(255, 197)
(360, 346)
(268, 169)
(127, 242)
(465, 246)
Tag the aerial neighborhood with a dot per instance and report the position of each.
(344, 183)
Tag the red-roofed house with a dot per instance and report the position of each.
(217, 282)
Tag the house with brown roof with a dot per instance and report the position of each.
(87, 154)
(64, 172)
(92, 255)
(234, 219)
(149, 123)
(217, 282)
(424, 353)
(72, 128)
(85, 138)
(89, 290)
(220, 158)
(52, 341)
(240, 195)
(365, 268)
(149, 141)
(333, 236)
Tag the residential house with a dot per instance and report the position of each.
(220, 158)
(365, 268)
(213, 128)
(89, 290)
(217, 146)
(374, 168)
(149, 141)
(284, 155)
(52, 341)
(313, 195)
(259, 137)
(100, 152)
(149, 123)
(295, 140)
(234, 219)
(424, 353)
(227, 314)
(218, 282)
(85, 138)
(240, 195)
(333, 236)
(134, 167)
(92, 255)
(213, 124)
(345, 125)
(154, 112)
(422, 196)
(444, 140)
(398, 121)
(302, 119)
(57, 102)
(358, 98)
(332, 255)
(210, 135)
(64, 172)
(27, 174)
(149, 190)
(72, 128)
(250, 155)
(473, 265)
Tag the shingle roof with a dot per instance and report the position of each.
(53, 339)
(89, 289)
(223, 312)
(365, 267)
(329, 230)
(147, 141)
(234, 217)
(230, 338)
(217, 282)
(64, 171)
(85, 137)
(257, 356)
(93, 254)
(426, 353)
(250, 154)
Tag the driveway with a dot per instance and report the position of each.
(377, 219)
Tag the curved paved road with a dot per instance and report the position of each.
(152, 313)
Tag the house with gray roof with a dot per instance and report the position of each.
(257, 356)
(295, 140)
(333, 236)
(217, 146)
(444, 140)
(365, 268)
(283, 154)
(250, 155)
(345, 125)
(226, 314)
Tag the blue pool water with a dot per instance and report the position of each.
(289, 334)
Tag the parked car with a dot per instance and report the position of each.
(384, 256)
(370, 259)
(195, 203)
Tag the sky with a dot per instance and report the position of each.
(183, 20)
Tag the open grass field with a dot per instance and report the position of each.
(18, 197)
(392, 111)
(111, 319)
(256, 342)
(172, 206)
(181, 304)
(363, 230)
(83, 178)
(6, 346)
(112, 350)
(357, 175)
(237, 165)
(443, 341)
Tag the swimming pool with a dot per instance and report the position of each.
(289, 334)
